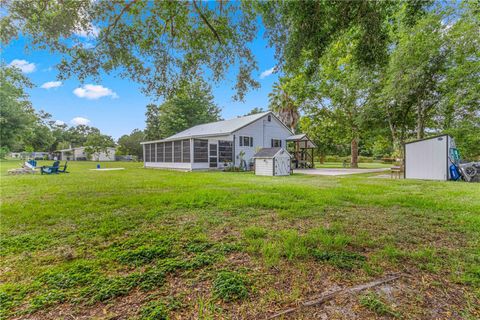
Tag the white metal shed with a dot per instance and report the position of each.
(272, 162)
(429, 158)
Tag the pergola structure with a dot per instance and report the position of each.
(302, 149)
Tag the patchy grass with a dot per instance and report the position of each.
(375, 304)
(232, 245)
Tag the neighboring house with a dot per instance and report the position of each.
(217, 144)
(79, 154)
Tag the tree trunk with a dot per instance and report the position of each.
(354, 153)
(420, 123)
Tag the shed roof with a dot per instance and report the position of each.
(218, 128)
(270, 152)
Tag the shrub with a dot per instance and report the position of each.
(230, 286)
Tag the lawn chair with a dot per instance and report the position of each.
(50, 170)
(64, 170)
(26, 168)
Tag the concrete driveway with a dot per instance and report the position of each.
(337, 172)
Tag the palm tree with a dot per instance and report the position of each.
(284, 105)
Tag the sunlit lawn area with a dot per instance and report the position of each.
(143, 243)
(361, 165)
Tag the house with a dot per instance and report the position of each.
(79, 154)
(218, 144)
(272, 162)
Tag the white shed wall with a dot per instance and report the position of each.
(427, 159)
(264, 167)
(282, 165)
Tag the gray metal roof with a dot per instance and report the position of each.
(218, 128)
(296, 137)
(269, 152)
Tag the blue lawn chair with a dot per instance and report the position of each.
(50, 170)
(64, 170)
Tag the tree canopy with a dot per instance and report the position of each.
(192, 104)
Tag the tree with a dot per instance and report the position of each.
(344, 88)
(162, 43)
(16, 111)
(255, 110)
(129, 144)
(96, 144)
(77, 136)
(411, 85)
(302, 31)
(156, 43)
(283, 102)
(191, 105)
(152, 130)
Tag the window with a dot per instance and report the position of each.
(147, 153)
(186, 150)
(177, 151)
(160, 152)
(245, 141)
(168, 151)
(200, 150)
(225, 151)
(269, 118)
(276, 143)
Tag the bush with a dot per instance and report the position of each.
(230, 286)
(3, 152)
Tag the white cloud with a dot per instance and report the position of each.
(90, 32)
(51, 84)
(24, 65)
(267, 73)
(92, 92)
(59, 122)
(79, 121)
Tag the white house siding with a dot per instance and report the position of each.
(264, 167)
(262, 132)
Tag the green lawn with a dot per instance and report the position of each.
(151, 244)
(361, 165)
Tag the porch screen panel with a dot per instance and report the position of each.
(177, 151)
(200, 151)
(153, 152)
(147, 152)
(186, 150)
(168, 151)
(160, 152)
(225, 151)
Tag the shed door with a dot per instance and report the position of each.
(213, 155)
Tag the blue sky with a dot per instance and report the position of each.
(117, 106)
